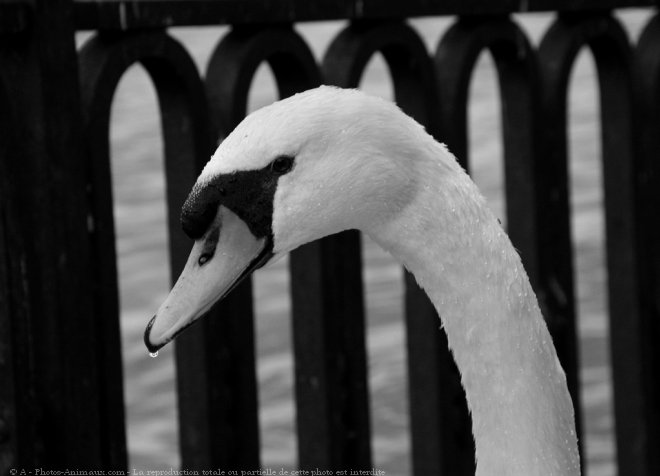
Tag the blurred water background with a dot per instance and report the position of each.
(137, 155)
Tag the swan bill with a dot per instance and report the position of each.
(219, 260)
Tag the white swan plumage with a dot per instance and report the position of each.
(328, 160)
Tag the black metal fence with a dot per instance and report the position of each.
(61, 398)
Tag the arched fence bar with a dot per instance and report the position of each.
(61, 396)
(613, 57)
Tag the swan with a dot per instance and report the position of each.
(332, 159)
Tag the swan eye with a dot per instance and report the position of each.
(204, 258)
(282, 164)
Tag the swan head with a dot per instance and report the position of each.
(308, 166)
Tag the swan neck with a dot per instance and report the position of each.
(516, 390)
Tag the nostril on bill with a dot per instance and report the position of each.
(210, 244)
(204, 258)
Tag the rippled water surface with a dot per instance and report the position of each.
(144, 275)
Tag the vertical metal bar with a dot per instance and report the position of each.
(647, 185)
(612, 54)
(229, 75)
(557, 294)
(104, 59)
(217, 388)
(8, 354)
(96, 118)
(617, 122)
(47, 261)
(329, 339)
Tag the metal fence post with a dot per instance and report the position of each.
(51, 403)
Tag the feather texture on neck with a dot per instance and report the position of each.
(516, 390)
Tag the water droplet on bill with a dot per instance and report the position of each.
(153, 354)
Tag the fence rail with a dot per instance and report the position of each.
(128, 14)
(61, 398)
